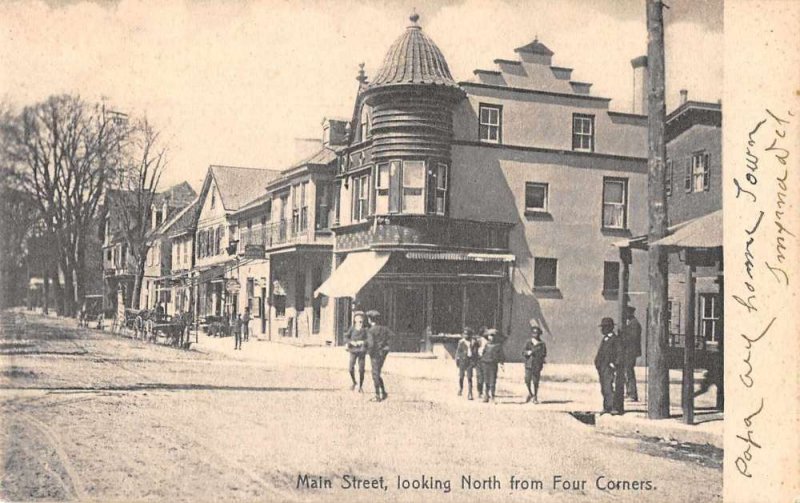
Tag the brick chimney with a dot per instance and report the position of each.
(684, 96)
(334, 132)
(640, 85)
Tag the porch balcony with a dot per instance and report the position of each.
(282, 233)
(424, 232)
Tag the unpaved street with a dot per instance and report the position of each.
(88, 415)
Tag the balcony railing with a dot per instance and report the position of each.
(296, 231)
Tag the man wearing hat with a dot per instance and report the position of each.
(378, 337)
(357, 347)
(491, 357)
(632, 349)
(608, 363)
(466, 357)
(535, 352)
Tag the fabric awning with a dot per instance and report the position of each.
(703, 232)
(352, 274)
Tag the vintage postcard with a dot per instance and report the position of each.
(446, 250)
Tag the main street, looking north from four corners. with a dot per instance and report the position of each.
(91, 415)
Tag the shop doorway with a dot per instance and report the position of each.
(409, 318)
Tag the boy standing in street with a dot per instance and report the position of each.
(357, 347)
(378, 337)
(465, 361)
(492, 356)
(246, 324)
(535, 352)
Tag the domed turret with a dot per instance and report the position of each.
(412, 98)
(413, 59)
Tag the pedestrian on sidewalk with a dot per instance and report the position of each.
(480, 345)
(246, 324)
(236, 326)
(378, 337)
(492, 356)
(608, 362)
(632, 348)
(466, 352)
(357, 347)
(535, 352)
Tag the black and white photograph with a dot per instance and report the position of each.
(398, 250)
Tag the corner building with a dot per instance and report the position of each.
(485, 202)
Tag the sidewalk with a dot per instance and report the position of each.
(564, 388)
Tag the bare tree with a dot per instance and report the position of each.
(137, 181)
(64, 152)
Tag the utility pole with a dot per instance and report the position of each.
(658, 372)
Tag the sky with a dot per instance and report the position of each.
(237, 82)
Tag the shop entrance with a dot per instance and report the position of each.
(409, 316)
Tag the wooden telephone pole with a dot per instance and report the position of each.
(657, 334)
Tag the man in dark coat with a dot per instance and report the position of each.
(378, 337)
(632, 343)
(492, 356)
(608, 362)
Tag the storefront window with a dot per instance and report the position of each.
(448, 303)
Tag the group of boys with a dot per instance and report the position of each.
(368, 336)
(484, 353)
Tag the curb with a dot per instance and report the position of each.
(670, 429)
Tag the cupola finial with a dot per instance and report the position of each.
(362, 76)
(414, 17)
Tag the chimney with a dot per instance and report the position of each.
(684, 96)
(640, 85)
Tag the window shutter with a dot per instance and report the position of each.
(354, 199)
(687, 175)
(706, 172)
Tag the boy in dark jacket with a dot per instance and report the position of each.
(535, 352)
(491, 357)
(378, 337)
(466, 358)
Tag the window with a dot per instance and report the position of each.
(250, 292)
(698, 175)
(323, 206)
(382, 189)
(365, 129)
(361, 191)
(583, 132)
(709, 317)
(536, 196)
(490, 123)
(545, 272)
(299, 208)
(615, 202)
(304, 206)
(159, 217)
(668, 178)
(213, 198)
(610, 278)
(440, 190)
(413, 186)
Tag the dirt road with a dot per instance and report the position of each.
(89, 415)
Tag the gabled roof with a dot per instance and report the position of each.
(178, 196)
(184, 220)
(238, 185)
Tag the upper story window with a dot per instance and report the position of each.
(668, 177)
(710, 317)
(610, 278)
(697, 177)
(213, 199)
(583, 132)
(615, 203)
(490, 119)
(536, 196)
(382, 176)
(299, 207)
(440, 190)
(413, 187)
(366, 130)
(361, 190)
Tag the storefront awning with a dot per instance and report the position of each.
(703, 232)
(355, 272)
(472, 257)
(214, 273)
